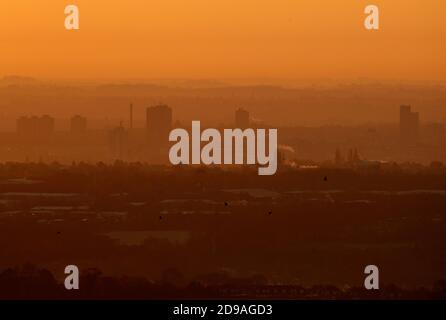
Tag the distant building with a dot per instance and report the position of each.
(241, 118)
(78, 124)
(35, 127)
(159, 125)
(409, 125)
(339, 160)
(353, 156)
(118, 143)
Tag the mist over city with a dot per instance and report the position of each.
(85, 170)
(82, 122)
(248, 152)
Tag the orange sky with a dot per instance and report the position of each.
(224, 39)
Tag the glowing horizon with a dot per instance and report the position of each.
(225, 39)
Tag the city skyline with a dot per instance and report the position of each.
(409, 139)
(106, 103)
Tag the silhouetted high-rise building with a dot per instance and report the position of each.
(159, 125)
(35, 127)
(78, 124)
(353, 156)
(241, 118)
(338, 157)
(409, 124)
(118, 142)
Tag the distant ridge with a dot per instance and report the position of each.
(17, 80)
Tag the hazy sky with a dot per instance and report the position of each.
(224, 39)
